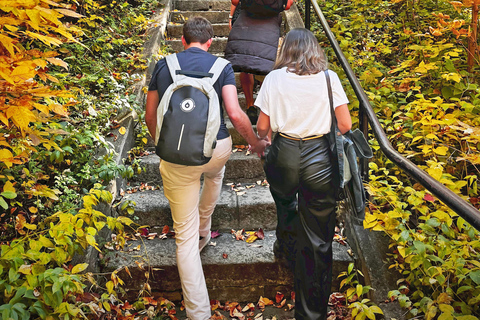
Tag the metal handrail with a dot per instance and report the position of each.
(451, 199)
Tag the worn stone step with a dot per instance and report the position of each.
(234, 270)
(202, 5)
(175, 30)
(212, 16)
(239, 166)
(218, 45)
(242, 209)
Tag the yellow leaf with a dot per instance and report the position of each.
(110, 286)
(6, 157)
(452, 76)
(441, 150)
(122, 130)
(33, 210)
(45, 39)
(25, 269)
(401, 250)
(9, 186)
(79, 268)
(7, 42)
(22, 73)
(35, 19)
(58, 62)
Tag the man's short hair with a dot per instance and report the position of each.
(197, 29)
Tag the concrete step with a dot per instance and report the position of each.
(175, 30)
(202, 5)
(212, 16)
(234, 270)
(242, 209)
(239, 166)
(218, 45)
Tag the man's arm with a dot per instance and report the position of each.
(151, 112)
(240, 119)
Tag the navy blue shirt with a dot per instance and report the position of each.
(194, 59)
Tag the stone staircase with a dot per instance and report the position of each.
(234, 270)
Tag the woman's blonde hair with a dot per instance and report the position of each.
(301, 53)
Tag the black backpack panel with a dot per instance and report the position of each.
(184, 126)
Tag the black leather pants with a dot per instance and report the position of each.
(301, 182)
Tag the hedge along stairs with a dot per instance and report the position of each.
(234, 269)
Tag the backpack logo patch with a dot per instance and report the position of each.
(187, 105)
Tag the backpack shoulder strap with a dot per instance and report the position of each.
(217, 69)
(173, 66)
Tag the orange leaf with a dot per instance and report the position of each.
(166, 229)
(278, 297)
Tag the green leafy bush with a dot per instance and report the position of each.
(411, 58)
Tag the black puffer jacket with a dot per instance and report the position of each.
(252, 43)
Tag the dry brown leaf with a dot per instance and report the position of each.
(248, 307)
(237, 314)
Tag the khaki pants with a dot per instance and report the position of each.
(192, 218)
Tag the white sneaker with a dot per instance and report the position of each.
(204, 241)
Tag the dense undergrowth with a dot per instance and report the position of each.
(412, 60)
(66, 69)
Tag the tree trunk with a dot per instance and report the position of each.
(472, 40)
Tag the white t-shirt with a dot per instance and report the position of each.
(298, 105)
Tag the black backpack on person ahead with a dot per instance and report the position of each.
(188, 115)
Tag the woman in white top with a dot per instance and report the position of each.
(294, 104)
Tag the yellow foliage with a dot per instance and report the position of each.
(24, 77)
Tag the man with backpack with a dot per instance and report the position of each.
(179, 88)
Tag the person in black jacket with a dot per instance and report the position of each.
(253, 42)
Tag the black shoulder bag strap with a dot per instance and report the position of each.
(332, 111)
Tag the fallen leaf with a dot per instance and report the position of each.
(166, 230)
(237, 314)
(217, 316)
(122, 130)
(144, 232)
(279, 297)
(293, 296)
(248, 307)
(251, 237)
(267, 301)
(215, 304)
(239, 234)
(215, 234)
(290, 306)
(213, 244)
(260, 234)
(149, 300)
(225, 256)
(282, 303)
